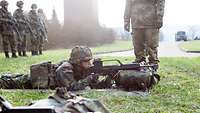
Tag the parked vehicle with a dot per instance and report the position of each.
(181, 35)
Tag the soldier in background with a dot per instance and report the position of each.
(146, 17)
(43, 23)
(7, 30)
(22, 26)
(36, 27)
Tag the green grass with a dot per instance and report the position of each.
(116, 46)
(190, 45)
(22, 64)
(178, 91)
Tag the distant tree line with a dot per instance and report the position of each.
(61, 37)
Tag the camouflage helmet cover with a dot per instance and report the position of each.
(20, 3)
(79, 54)
(3, 3)
(34, 6)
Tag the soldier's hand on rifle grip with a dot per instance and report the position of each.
(92, 78)
(159, 22)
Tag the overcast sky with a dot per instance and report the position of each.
(177, 12)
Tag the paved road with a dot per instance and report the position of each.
(166, 49)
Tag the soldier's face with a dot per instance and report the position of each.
(86, 64)
(21, 6)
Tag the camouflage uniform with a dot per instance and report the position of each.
(7, 30)
(22, 26)
(43, 36)
(146, 18)
(15, 81)
(36, 27)
(68, 73)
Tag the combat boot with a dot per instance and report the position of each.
(7, 55)
(24, 53)
(19, 53)
(14, 55)
(40, 52)
(36, 52)
(32, 53)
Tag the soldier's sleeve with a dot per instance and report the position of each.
(64, 76)
(127, 12)
(160, 8)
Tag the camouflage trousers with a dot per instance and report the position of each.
(21, 46)
(145, 43)
(41, 43)
(9, 40)
(35, 44)
(11, 81)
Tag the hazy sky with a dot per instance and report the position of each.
(177, 12)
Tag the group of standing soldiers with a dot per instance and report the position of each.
(14, 29)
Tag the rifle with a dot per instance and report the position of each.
(6, 107)
(14, 23)
(112, 72)
(99, 68)
(29, 27)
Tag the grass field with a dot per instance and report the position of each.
(22, 64)
(190, 46)
(178, 91)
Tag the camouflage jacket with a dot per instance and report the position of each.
(21, 19)
(144, 13)
(6, 21)
(35, 22)
(67, 76)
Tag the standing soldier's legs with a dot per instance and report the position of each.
(5, 45)
(33, 46)
(19, 48)
(139, 44)
(152, 37)
(37, 45)
(24, 44)
(13, 45)
(41, 42)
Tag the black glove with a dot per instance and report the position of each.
(159, 22)
(93, 78)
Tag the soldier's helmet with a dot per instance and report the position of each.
(20, 3)
(80, 54)
(33, 6)
(3, 3)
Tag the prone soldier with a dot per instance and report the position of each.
(146, 17)
(75, 74)
(8, 30)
